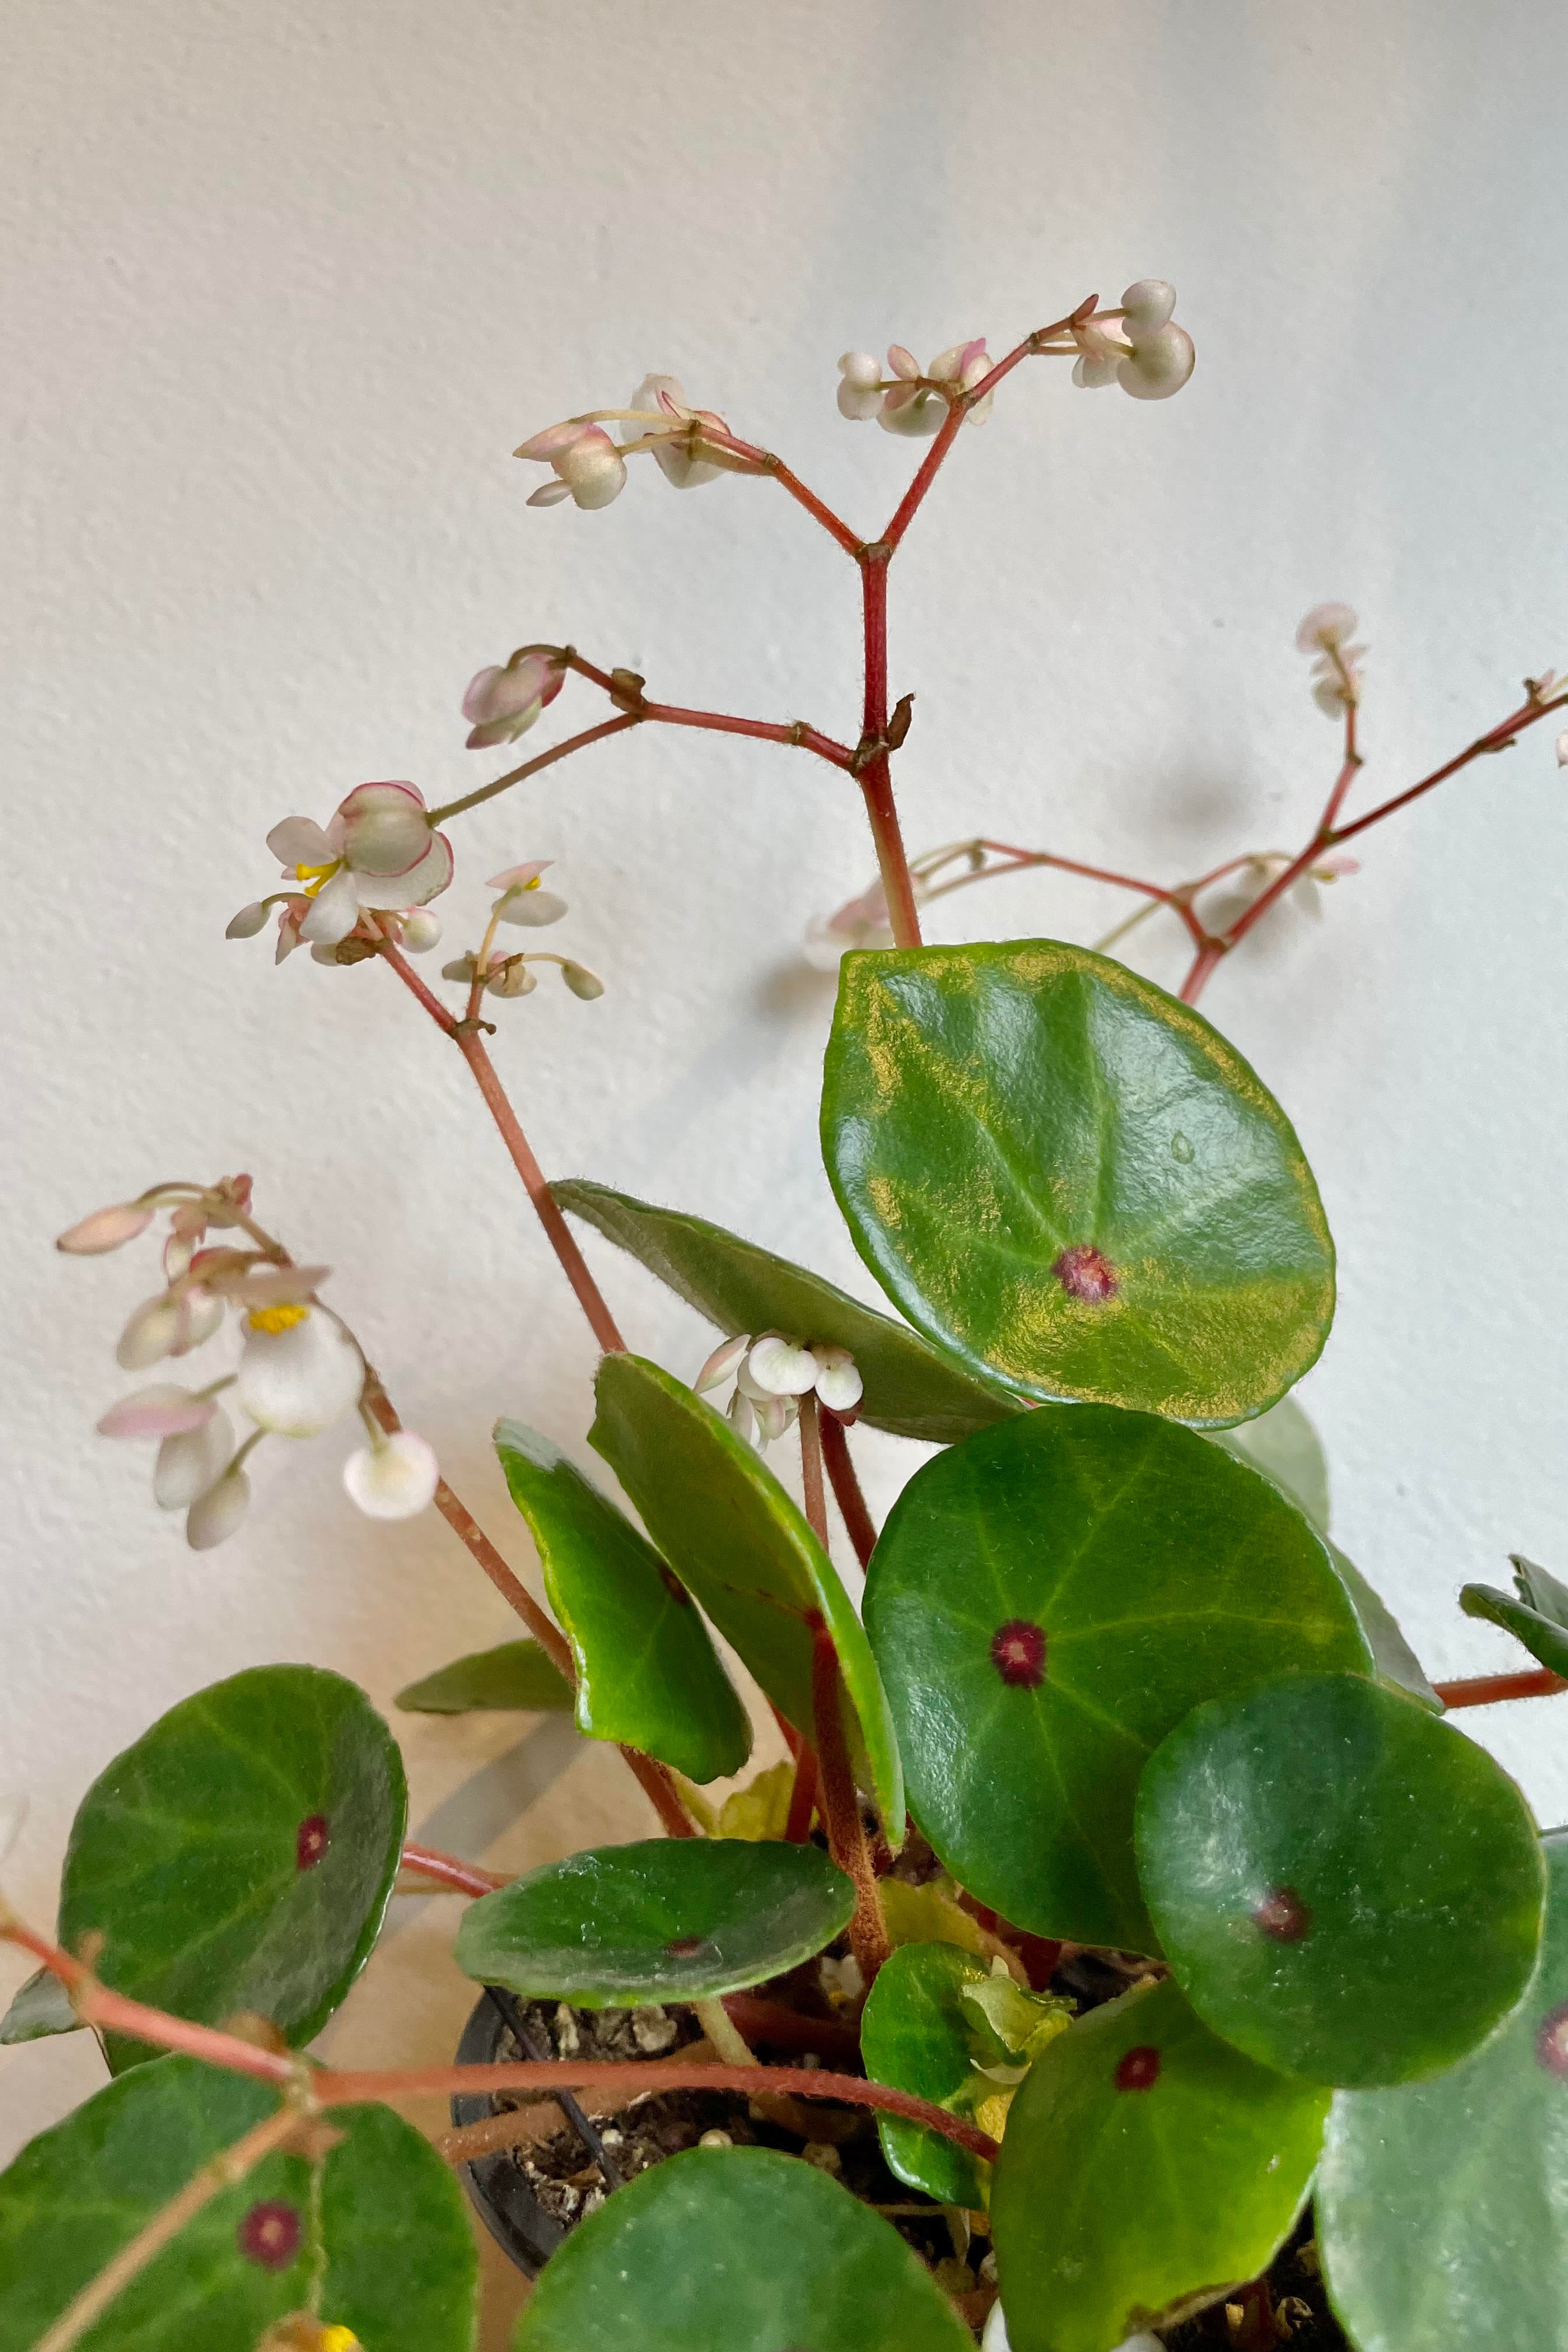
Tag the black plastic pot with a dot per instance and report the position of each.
(505, 2203)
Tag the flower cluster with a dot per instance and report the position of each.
(771, 1373)
(523, 901)
(299, 1368)
(1151, 358)
(1336, 671)
(591, 468)
(368, 873)
(912, 403)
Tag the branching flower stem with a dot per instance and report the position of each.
(314, 2088)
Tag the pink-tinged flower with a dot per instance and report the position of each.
(161, 1411)
(378, 853)
(523, 900)
(587, 465)
(503, 701)
(106, 1229)
(392, 1477)
(918, 404)
(178, 1319)
(1336, 673)
(862, 922)
(661, 399)
(1142, 349)
(771, 1373)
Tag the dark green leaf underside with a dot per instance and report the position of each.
(1345, 1887)
(647, 1673)
(911, 1387)
(672, 1919)
(396, 2253)
(737, 2249)
(239, 1856)
(1158, 1571)
(1012, 1127)
(514, 1677)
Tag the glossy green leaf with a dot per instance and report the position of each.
(1283, 1444)
(1538, 1618)
(735, 1539)
(1071, 1182)
(737, 2249)
(239, 1856)
(647, 1673)
(915, 2036)
(395, 2256)
(1146, 2165)
(1440, 2208)
(1047, 1602)
(911, 1387)
(515, 1677)
(672, 1919)
(1345, 1887)
(40, 2007)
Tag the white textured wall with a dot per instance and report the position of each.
(287, 282)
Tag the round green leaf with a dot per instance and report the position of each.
(394, 2254)
(1441, 2217)
(647, 1673)
(1538, 1618)
(514, 1675)
(735, 1539)
(1047, 1602)
(1345, 1887)
(737, 2249)
(911, 1387)
(240, 1855)
(1145, 2167)
(1071, 1183)
(673, 1919)
(915, 2036)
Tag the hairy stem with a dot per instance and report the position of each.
(724, 2034)
(225, 2171)
(859, 1524)
(533, 767)
(876, 775)
(628, 693)
(802, 1797)
(1490, 1690)
(445, 1870)
(840, 1805)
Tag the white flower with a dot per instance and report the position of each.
(415, 930)
(299, 1370)
(661, 398)
(504, 700)
(839, 1384)
(917, 403)
(106, 1229)
(191, 1461)
(521, 899)
(723, 1364)
(378, 852)
(213, 1517)
(586, 463)
(1151, 357)
(1336, 673)
(771, 1373)
(778, 1366)
(860, 389)
(392, 1477)
(181, 1318)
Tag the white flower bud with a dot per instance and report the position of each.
(1148, 305)
(1325, 625)
(721, 1364)
(780, 1369)
(838, 1382)
(1160, 364)
(213, 1517)
(592, 468)
(862, 369)
(512, 977)
(582, 982)
(187, 1465)
(151, 1334)
(774, 1415)
(421, 929)
(743, 1417)
(106, 1229)
(247, 922)
(530, 907)
(393, 1477)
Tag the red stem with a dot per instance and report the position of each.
(673, 714)
(859, 1524)
(875, 774)
(531, 767)
(802, 1799)
(840, 1806)
(1489, 1690)
(766, 463)
(660, 1792)
(462, 1877)
(791, 2029)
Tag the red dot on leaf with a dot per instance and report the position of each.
(1551, 2042)
(311, 1842)
(674, 1587)
(270, 2234)
(1139, 2070)
(1282, 1916)
(685, 1947)
(1087, 1274)
(1018, 1654)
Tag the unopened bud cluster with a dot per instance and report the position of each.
(771, 1373)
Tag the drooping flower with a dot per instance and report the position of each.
(299, 1370)
(393, 1477)
(523, 900)
(676, 453)
(1140, 348)
(503, 701)
(912, 403)
(592, 468)
(771, 1373)
(1326, 632)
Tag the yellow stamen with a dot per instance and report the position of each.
(312, 876)
(276, 1319)
(338, 2340)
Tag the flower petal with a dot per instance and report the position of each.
(161, 1411)
(780, 1367)
(385, 828)
(213, 1517)
(150, 1334)
(105, 1229)
(333, 913)
(1325, 625)
(395, 1478)
(531, 908)
(299, 1380)
(514, 878)
(300, 841)
(398, 892)
(191, 1461)
(247, 922)
(838, 1382)
(550, 494)
(723, 1364)
(582, 982)
(545, 446)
